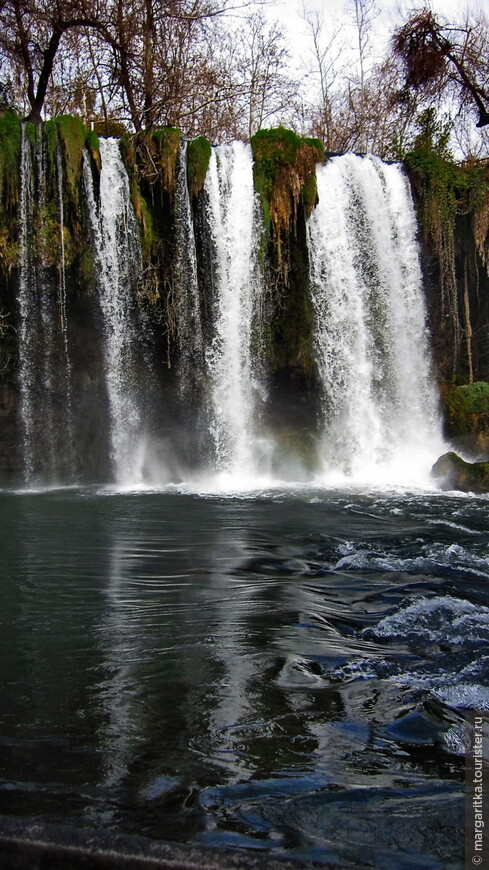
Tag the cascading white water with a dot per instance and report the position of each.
(62, 313)
(381, 421)
(118, 253)
(235, 382)
(44, 372)
(27, 307)
(189, 319)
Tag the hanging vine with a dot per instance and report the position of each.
(447, 191)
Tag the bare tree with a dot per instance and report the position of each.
(439, 58)
(262, 77)
(144, 54)
(364, 14)
(31, 36)
(326, 51)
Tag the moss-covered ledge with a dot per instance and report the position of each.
(63, 141)
(152, 156)
(284, 173)
(10, 139)
(198, 158)
(151, 160)
(452, 200)
(285, 181)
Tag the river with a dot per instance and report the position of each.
(284, 670)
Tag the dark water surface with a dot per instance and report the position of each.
(284, 672)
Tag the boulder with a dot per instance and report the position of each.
(453, 472)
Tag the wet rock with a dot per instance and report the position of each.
(453, 472)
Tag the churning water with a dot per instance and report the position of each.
(284, 672)
(381, 420)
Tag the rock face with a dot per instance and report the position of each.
(452, 472)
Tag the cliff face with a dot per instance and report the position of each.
(453, 206)
(46, 245)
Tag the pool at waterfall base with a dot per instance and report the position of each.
(285, 672)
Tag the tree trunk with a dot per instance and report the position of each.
(47, 67)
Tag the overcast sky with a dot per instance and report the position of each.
(391, 13)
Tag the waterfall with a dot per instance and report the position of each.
(379, 403)
(118, 255)
(380, 420)
(63, 317)
(44, 373)
(233, 372)
(27, 307)
(189, 319)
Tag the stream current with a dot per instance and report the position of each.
(284, 671)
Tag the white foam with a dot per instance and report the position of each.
(440, 619)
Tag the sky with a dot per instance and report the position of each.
(391, 13)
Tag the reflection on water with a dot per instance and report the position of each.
(275, 672)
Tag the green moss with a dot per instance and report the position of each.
(446, 191)
(10, 146)
(467, 399)
(272, 149)
(10, 140)
(167, 137)
(152, 157)
(151, 161)
(92, 143)
(47, 233)
(309, 193)
(284, 175)
(128, 151)
(72, 136)
(51, 138)
(85, 268)
(9, 245)
(276, 148)
(164, 145)
(68, 137)
(456, 188)
(144, 218)
(133, 156)
(64, 135)
(449, 188)
(198, 157)
(285, 180)
(318, 146)
(467, 413)
(31, 132)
